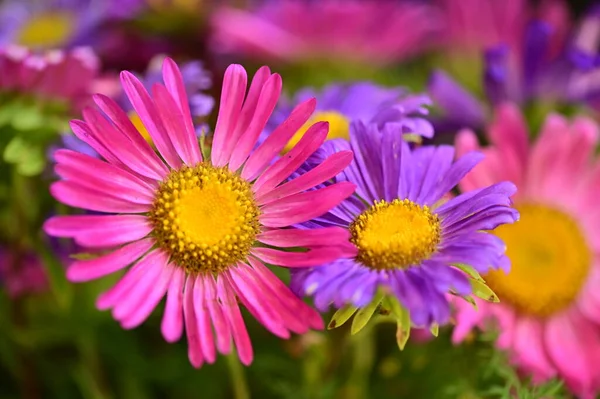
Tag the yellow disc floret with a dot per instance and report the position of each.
(395, 235)
(47, 30)
(550, 261)
(205, 217)
(339, 127)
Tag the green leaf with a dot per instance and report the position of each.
(341, 316)
(28, 157)
(474, 274)
(62, 290)
(434, 329)
(362, 317)
(402, 317)
(28, 116)
(484, 292)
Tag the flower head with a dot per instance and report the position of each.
(409, 242)
(197, 228)
(548, 315)
(292, 31)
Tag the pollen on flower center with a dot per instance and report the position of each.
(395, 235)
(205, 217)
(550, 261)
(51, 29)
(339, 127)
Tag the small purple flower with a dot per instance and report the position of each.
(410, 242)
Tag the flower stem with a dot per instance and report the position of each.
(363, 348)
(238, 378)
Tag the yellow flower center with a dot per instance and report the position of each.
(339, 127)
(139, 125)
(550, 261)
(395, 235)
(48, 30)
(205, 217)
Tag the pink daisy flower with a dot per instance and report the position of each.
(199, 229)
(549, 310)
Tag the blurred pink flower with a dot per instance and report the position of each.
(22, 275)
(549, 315)
(369, 31)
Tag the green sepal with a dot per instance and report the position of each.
(484, 292)
(470, 300)
(470, 271)
(362, 317)
(434, 329)
(342, 315)
(402, 317)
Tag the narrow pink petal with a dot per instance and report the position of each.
(232, 97)
(141, 313)
(328, 169)
(176, 87)
(509, 132)
(222, 330)
(305, 206)
(174, 122)
(146, 110)
(314, 257)
(124, 226)
(467, 318)
(258, 304)
(233, 315)
(142, 289)
(207, 340)
(285, 166)
(191, 324)
(152, 166)
(302, 311)
(276, 141)
(266, 104)
(529, 347)
(74, 195)
(172, 321)
(85, 270)
(288, 238)
(506, 318)
(83, 132)
(248, 110)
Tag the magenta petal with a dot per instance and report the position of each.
(172, 322)
(305, 206)
(285, 166)
(248, 110)
(314, 257)
(232, 97)
(85, 270)
(266, 104)
(232, 312)
(191, 325)
(326, 170)
(217, 315)
(70, 193)
(288, 238)
(83, 132)
(529, 346)
(207, 341)
(277, 140)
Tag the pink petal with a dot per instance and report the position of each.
(276, 141)
(85, 270)
(174, 82)
(151, 166)
(191, 325)
(285, 166)
(305, 206)
(99, 230)
(248, 110)
(83, 132)
(314, 257)
(173, 120)
(207, 341)
(288, 238)
(217, 315)
(74, 195)
(467, 318)
(328, 169)
(172, 322)
(146, 110)
(266, 104)
(509, 132)
(234, 318)
(529, 347)
(232, 97)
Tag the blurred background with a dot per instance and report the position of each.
(54, 343)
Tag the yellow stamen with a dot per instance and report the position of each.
(339, 127)
(47, 30)
(395, 235)
(139, 125)
(205, 217)
(550, 261)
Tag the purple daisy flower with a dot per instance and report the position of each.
(340, 104)
(47, 24)
(413, 245)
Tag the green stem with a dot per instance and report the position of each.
(238, 377)
(363, 349)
